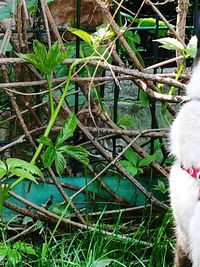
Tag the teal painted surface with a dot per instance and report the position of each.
(41, 192)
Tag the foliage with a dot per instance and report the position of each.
(13, 254)
(39, 59)
(55, 152)
(149, 244)
(187, 51)
(144, 99)
(133, 164)
(152, 23)
(19, 168)
(133, 37)
(45, 61)
(124, 121)
(173, 44)
(94, 40)
(161, 187)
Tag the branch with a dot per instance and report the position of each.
(152, 199)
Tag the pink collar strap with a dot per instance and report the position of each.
(194, 172)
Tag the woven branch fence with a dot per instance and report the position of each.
(25, 109)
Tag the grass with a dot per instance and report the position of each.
(149, 245)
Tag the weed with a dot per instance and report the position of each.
(150, 245)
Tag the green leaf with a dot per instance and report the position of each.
(19, 163)
(14, 256)
(126, 120)
(103, 33)
(134, 37)
(82, 34)
(152, 22)
(3, 251)
(171, 44)
(45, 141)
(40, 50)
(146, 161)
(161, 186)
(49, 156)
(3, 169)
(29, 57)
(4, 195)
(144, 98)
(2, 173)
(191, 48)
(44, 252)
(131, 156)
(129, 167)
(129, 37)
(38, 58)
(67, 130)
(60, 163)
(55, 57)
(44, 61)
(32, 6)
(77, 152)
(24, 248)
(23, 174)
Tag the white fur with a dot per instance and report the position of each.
(193, 88)
(184, 189)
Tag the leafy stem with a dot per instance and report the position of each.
(178, 75)
(60, 103)
(171, 90)
(187, 51)
(49, 82)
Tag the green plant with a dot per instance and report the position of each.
(145, 243)
(186, 51)
(133, 36)
(46, 62)
(17, 168)
(160, 244)
(13, 254)
(189, 50)
(96, 39)
(151, 24)
(55, 152)
(161, 187)
(133, 163)
(96, 43)
(126, 120)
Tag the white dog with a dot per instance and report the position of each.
(185, 174)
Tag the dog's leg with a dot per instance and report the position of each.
(181, 254)
(181, 258)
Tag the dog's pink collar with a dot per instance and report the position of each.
(194, 172)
